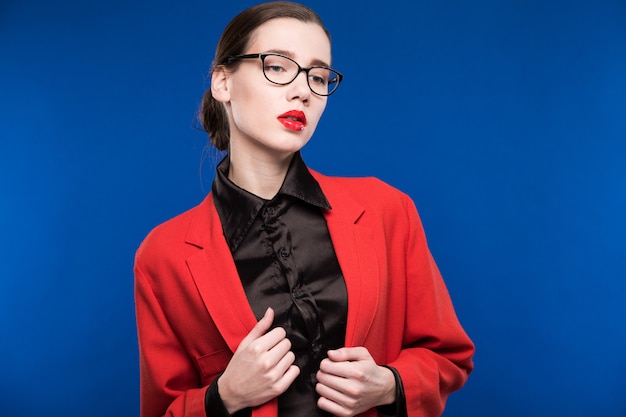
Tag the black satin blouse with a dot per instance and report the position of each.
(286, 260)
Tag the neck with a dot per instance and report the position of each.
(260, 176)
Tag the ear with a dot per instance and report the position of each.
(219, 85)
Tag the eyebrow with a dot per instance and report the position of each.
(315, 62)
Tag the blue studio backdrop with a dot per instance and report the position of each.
(504, 120)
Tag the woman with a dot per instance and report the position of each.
(287, 292)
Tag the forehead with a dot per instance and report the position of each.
(303, 41)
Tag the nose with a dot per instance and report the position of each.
(299, 87)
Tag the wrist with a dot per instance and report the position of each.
(389, 384)
(230, 405)
(213, 404)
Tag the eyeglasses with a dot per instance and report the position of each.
(282, 70)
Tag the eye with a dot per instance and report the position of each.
(317, 80)
(273, 67)
(319, 76)
(276, 64)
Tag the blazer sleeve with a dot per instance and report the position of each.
(166, 370)
(436, 354)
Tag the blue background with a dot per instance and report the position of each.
(504, 120)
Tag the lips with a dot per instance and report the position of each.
(293, 120)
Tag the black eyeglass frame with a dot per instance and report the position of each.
(262, 56)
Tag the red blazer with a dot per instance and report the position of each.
(192, 311)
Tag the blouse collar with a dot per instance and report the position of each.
(237, 208)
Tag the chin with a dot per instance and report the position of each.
(291, 144)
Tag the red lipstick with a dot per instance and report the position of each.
(293, 120)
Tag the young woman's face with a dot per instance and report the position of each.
(270, 118)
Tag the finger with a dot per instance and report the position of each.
(287, 379)
(340, 369)
(260, 328)
(334, 402)
(274, 339)
(286, 368)
(331, 407)
(280, 359)
(271, 358)
(334, 382)
(349, 354)
(284, 362)
(291, 374)
(281, 346)
(332, 394)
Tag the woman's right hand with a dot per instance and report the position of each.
(261, 369)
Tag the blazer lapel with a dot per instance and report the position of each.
(216, 277)
(218, 282)
(356, 253)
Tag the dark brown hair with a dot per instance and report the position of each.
(234, 41)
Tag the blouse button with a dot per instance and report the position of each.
(296, 294)
(284, 252)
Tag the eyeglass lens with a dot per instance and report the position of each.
(282, 70)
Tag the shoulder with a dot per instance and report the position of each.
(366, 190)
(171, 236)
(374, 204)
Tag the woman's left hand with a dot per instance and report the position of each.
(350, 382)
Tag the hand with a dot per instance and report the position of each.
(261, 368)
(350, 382)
